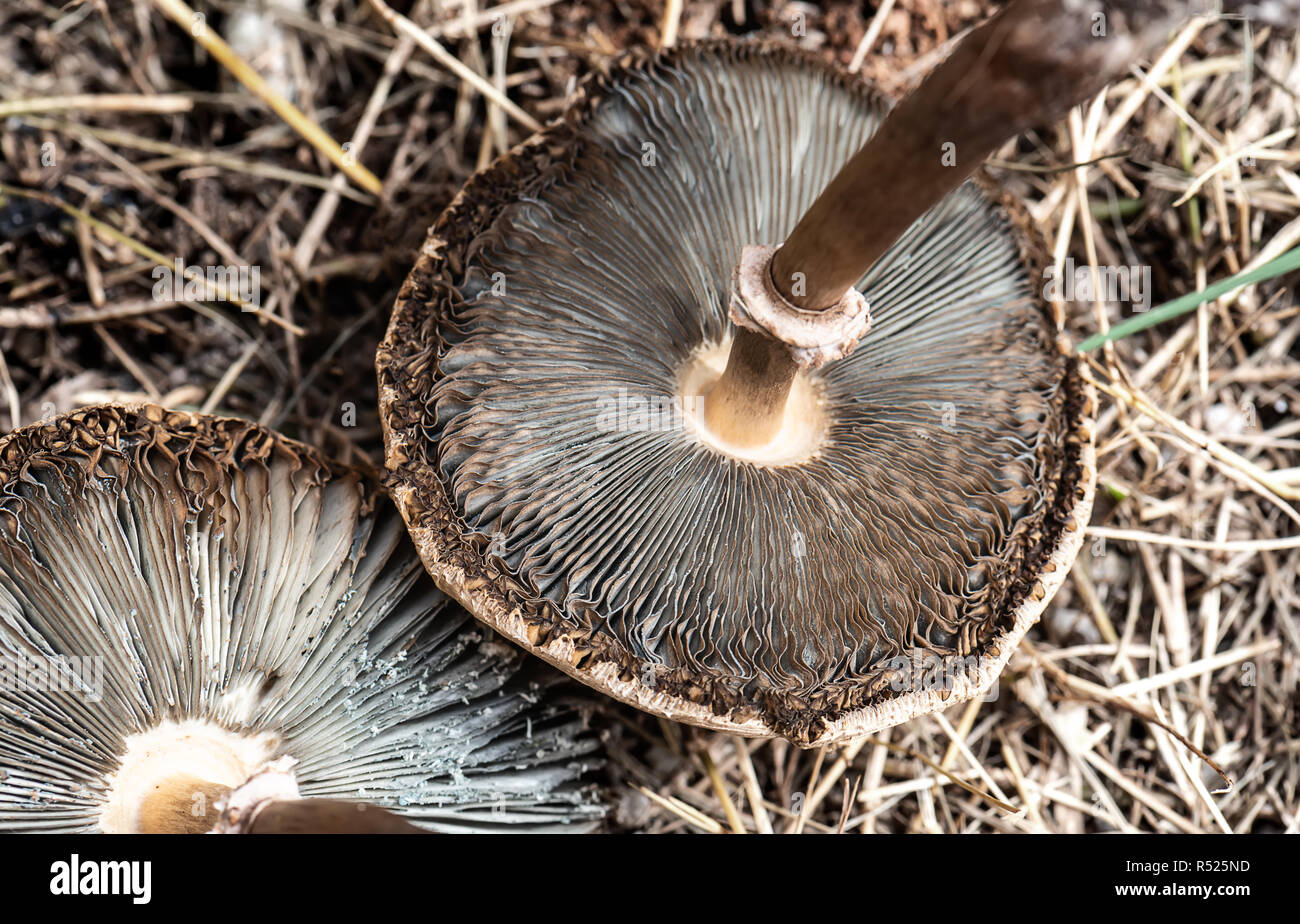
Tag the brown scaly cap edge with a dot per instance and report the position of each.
(407, 367)
(91, 431)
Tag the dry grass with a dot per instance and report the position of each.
(1173, 648)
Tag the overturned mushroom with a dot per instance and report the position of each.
(187, 602)
(549, 393)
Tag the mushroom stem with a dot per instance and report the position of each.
(328, 816)
(1026, 66)
(746, 406)
(187, 805)
(171, 778)
(183, 804)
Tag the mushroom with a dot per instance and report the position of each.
(197, 613)
(541, 385)
(627, 425)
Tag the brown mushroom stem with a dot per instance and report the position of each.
(1025, 66)
(268, 803)
(746, 406)
(327, 816)
(187, 805)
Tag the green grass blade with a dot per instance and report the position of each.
(1192, 300)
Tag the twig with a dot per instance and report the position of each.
(752, 790)
(720, 788)
(1237, 545)
(144, 250)
(454, 64)
(872, 33)
(672, 19)
(193, 22)
(98, 102)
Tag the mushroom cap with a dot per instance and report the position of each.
(812, 599)
(228, 584)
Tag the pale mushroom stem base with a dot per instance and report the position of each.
(181, 805)
(745, 408)
(171, 777)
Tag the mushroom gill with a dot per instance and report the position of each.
(542, 442)
(185, 598)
